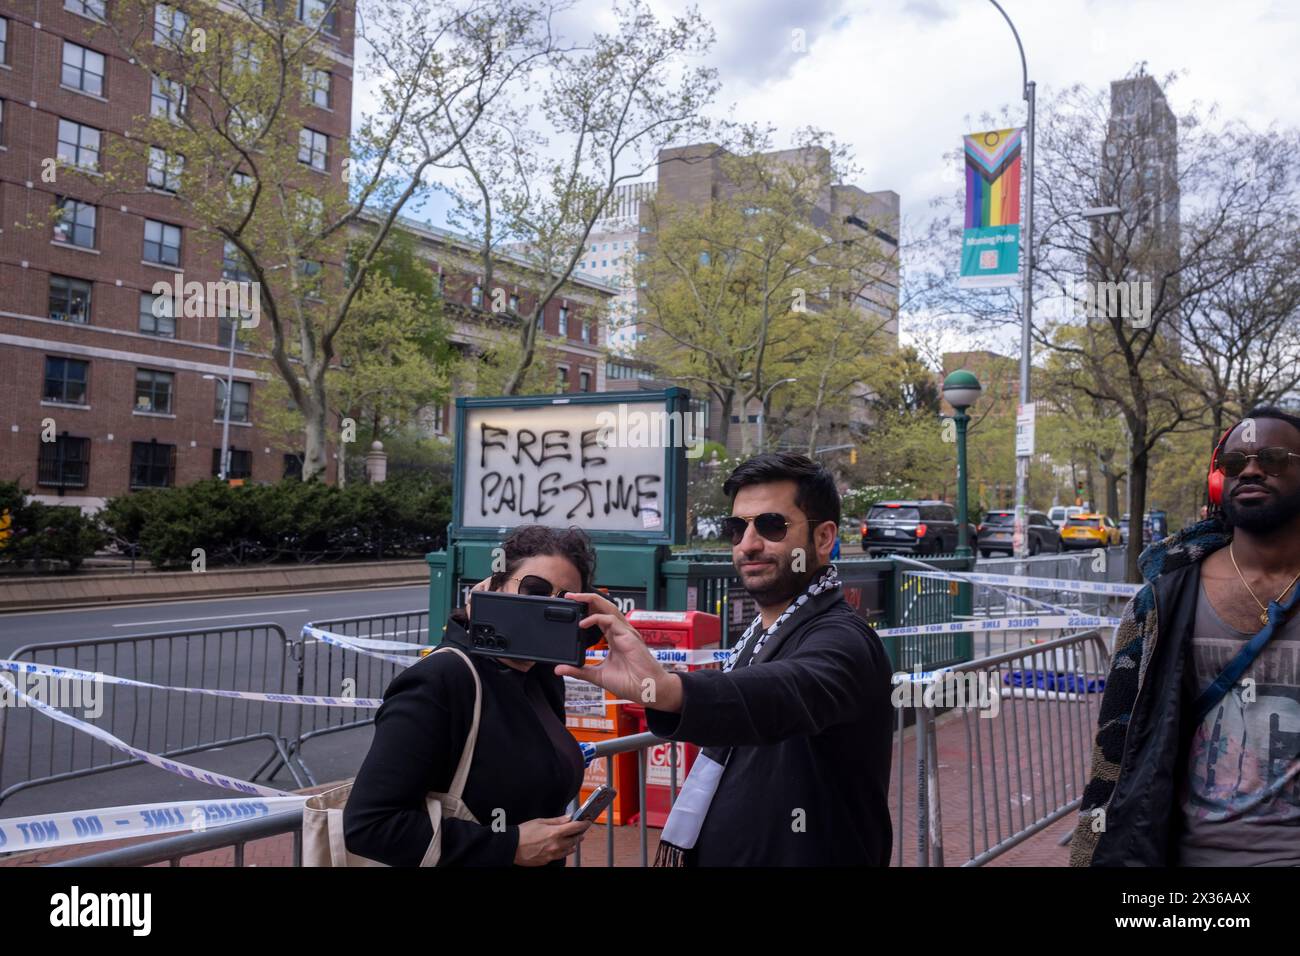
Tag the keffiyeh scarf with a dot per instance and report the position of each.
(692, 805)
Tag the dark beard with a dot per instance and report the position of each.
(788, 585)
(1263, 519)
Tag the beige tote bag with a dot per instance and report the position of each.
(322, 816)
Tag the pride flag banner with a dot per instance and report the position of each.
(990, 246)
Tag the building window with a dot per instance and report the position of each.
(157, 316)
(64, 462)
(165, 169)
(233, 264)
(152, 465)
(442, 282)
(65, 380)
(241, 463)
(440, 419)
(4, 40)
(86, 8)
(293, 466)
(153, 391)
(78, 145)
(476, 296)
(514, 302)
(324, 12)
(2, 118)
(226, 324)
(318, 86)
(586, 331)
(166, 98)
(246, 59)
(169, 25)
(83, 69)
(561, 378)
(162, 243)
(564, 320)
(313, 148)
(584, 381)
(76, 223)
(69, 299)
(239, 407)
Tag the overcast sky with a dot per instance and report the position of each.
(902, 80)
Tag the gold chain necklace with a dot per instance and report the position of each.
(1263, 610)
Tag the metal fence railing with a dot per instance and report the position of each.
(36, 750)
(236, 836)
(330, 671)
(990, 773)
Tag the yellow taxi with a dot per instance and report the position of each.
(1089, 530)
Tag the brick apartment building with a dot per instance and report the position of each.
(134, 399)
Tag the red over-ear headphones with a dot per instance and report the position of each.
(1214, 483)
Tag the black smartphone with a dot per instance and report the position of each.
(527, 627)
(600, 798)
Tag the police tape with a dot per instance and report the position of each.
(356, 645)
(67, 828)
(669, 655)
(1032, 623)
(171, 766)
(71, 673)
(1045, 584)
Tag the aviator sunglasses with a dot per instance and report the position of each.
(1272, 461)
(770, 525)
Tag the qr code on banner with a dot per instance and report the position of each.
(989, 259)
(583, 699)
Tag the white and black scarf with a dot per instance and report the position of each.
(692, 805)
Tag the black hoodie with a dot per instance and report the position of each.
(525, 766)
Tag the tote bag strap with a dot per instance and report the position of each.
(457, 789)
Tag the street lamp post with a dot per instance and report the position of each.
(962, 389)
(1027, 297)
(225, 418)
(762, 410)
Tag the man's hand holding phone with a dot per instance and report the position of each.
(630, 671)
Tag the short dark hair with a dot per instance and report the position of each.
(532, 540)
(1270, 411)
(815, 492)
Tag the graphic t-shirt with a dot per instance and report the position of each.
(1240, 794)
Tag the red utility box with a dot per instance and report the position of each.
(694, 635)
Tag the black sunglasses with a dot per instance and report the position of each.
(536, 586)
(770, 525)
(1272, 461)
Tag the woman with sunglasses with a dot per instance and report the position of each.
(526, 768)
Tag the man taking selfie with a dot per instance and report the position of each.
(796, 726)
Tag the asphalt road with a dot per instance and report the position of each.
(33, 746)
(290, 611)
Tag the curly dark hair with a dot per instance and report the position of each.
(532, 540)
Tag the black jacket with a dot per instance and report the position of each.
(807, 783)
(1129, 811)
(522, 769)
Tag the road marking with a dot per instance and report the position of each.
(215, 617)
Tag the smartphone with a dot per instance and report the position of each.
(596, 804)
(529, 628)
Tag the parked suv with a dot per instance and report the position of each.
(917, 527)
(997, 533)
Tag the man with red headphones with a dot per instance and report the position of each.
(1197, 754)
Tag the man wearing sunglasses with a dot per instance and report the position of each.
(1197, 756)
(796, 725)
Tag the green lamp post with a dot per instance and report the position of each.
(962, 389)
